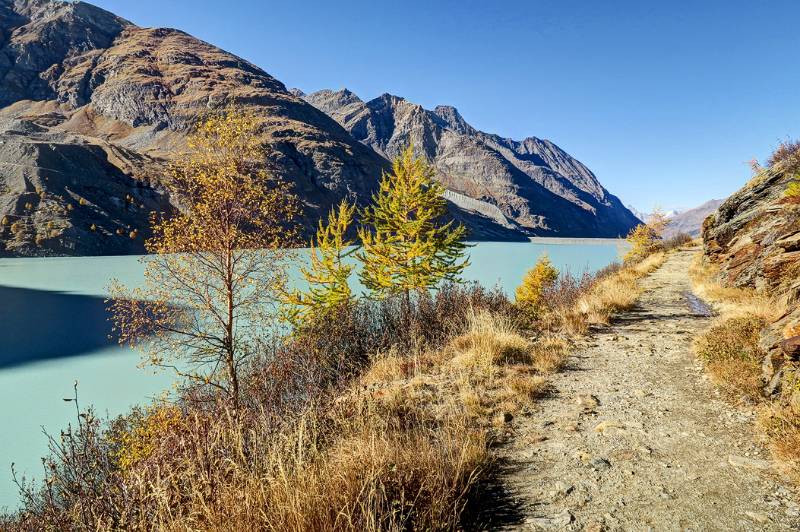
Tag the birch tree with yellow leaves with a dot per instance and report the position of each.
(406, 245)
(213, 279)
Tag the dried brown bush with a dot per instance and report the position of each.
(733, 356)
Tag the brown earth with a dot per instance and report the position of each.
(635, 437)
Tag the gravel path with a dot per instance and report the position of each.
(634, 437)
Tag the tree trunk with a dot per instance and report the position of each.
(230, 354)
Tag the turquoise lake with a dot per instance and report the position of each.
(54, 331)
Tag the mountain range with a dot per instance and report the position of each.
(537, 187)
(93, 108)
(689, 221)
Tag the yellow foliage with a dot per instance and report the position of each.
(405, 244)
(793, 189)
(216, 267)
(143, 436)
(536, 281)
(645, 239)
(328, 275)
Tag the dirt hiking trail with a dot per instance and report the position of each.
(635, 437)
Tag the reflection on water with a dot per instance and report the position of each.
(54, 331)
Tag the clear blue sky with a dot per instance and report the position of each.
(665, 101)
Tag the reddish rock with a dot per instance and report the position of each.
(791, 348)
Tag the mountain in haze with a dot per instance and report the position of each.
(536, 186)
(93, 108)
(687, 221)
(642, 215)
(690, 221)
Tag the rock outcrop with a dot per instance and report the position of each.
(754, 237)
(536, 185)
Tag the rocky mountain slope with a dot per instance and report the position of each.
(92, 107)
(690, 221)
(536, 185)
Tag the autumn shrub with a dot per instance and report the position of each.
(733, 356)
(540, 278)
(643, 241)
(786, 157)
(793, 189)
(677, 241)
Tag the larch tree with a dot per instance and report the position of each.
(327, 274)
(529, 295)
(217, 266)
(406, 245)
(646, 238)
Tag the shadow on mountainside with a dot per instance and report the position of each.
(38, 325)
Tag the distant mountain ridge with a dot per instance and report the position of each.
(690, 221)
(535, 184)
(687, 221)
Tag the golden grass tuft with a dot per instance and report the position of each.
(781, 423)
(549, 354)
(732, 301)
(490, 340)
(612, 294)
(732, 355)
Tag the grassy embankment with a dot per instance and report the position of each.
(730, 348)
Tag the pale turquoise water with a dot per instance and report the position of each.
(53, 331)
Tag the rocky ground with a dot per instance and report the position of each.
(635, 437)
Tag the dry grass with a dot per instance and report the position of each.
(332, 471)
(781, 423)
(490, 340)
(732, 355)
(730, 347)
(732, 301)
(609, 294)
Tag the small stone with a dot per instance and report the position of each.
(561, 489)
(587, 401)
(600, 464)
(554, 522)
(757, 517)
(583, 456)
(593, 526)
(608, 426)
(748, 463)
